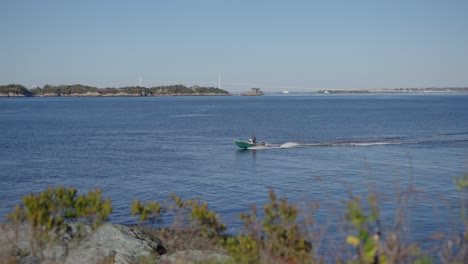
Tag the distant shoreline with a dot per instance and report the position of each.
(15, 90)
(398, 91)
(112, 95)
(78, 90)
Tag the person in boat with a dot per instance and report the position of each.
(253, 139)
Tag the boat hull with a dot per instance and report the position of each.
(243, 144)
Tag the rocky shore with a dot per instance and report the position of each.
(109, 243)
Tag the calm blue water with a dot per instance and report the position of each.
(331, 146)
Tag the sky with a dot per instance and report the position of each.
(273, 45)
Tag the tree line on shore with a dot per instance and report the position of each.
(84, 90)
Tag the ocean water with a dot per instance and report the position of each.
(322, 148)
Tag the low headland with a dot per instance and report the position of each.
(12, 90)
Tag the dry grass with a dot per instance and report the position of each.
(180, 239)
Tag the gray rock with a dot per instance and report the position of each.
(14, 240)
(30, 260)
(118, 243)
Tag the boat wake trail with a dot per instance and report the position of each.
(367, 142)
(290, 145)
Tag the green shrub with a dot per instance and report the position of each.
(275, 238)
(367, 236)
(197, 213)
(208, 222)
(152, 211)
(50, 214)
(364, 225)
(55, 207)
(455, 247)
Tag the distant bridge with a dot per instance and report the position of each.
(239, 86)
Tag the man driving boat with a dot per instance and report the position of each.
(253, 139)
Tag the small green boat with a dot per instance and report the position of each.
(246, 145)
(243, 144)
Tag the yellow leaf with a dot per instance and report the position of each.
(352, 240)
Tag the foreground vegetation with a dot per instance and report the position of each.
(276, 234)
(83, 90)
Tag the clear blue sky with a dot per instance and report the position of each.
(268, 44)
